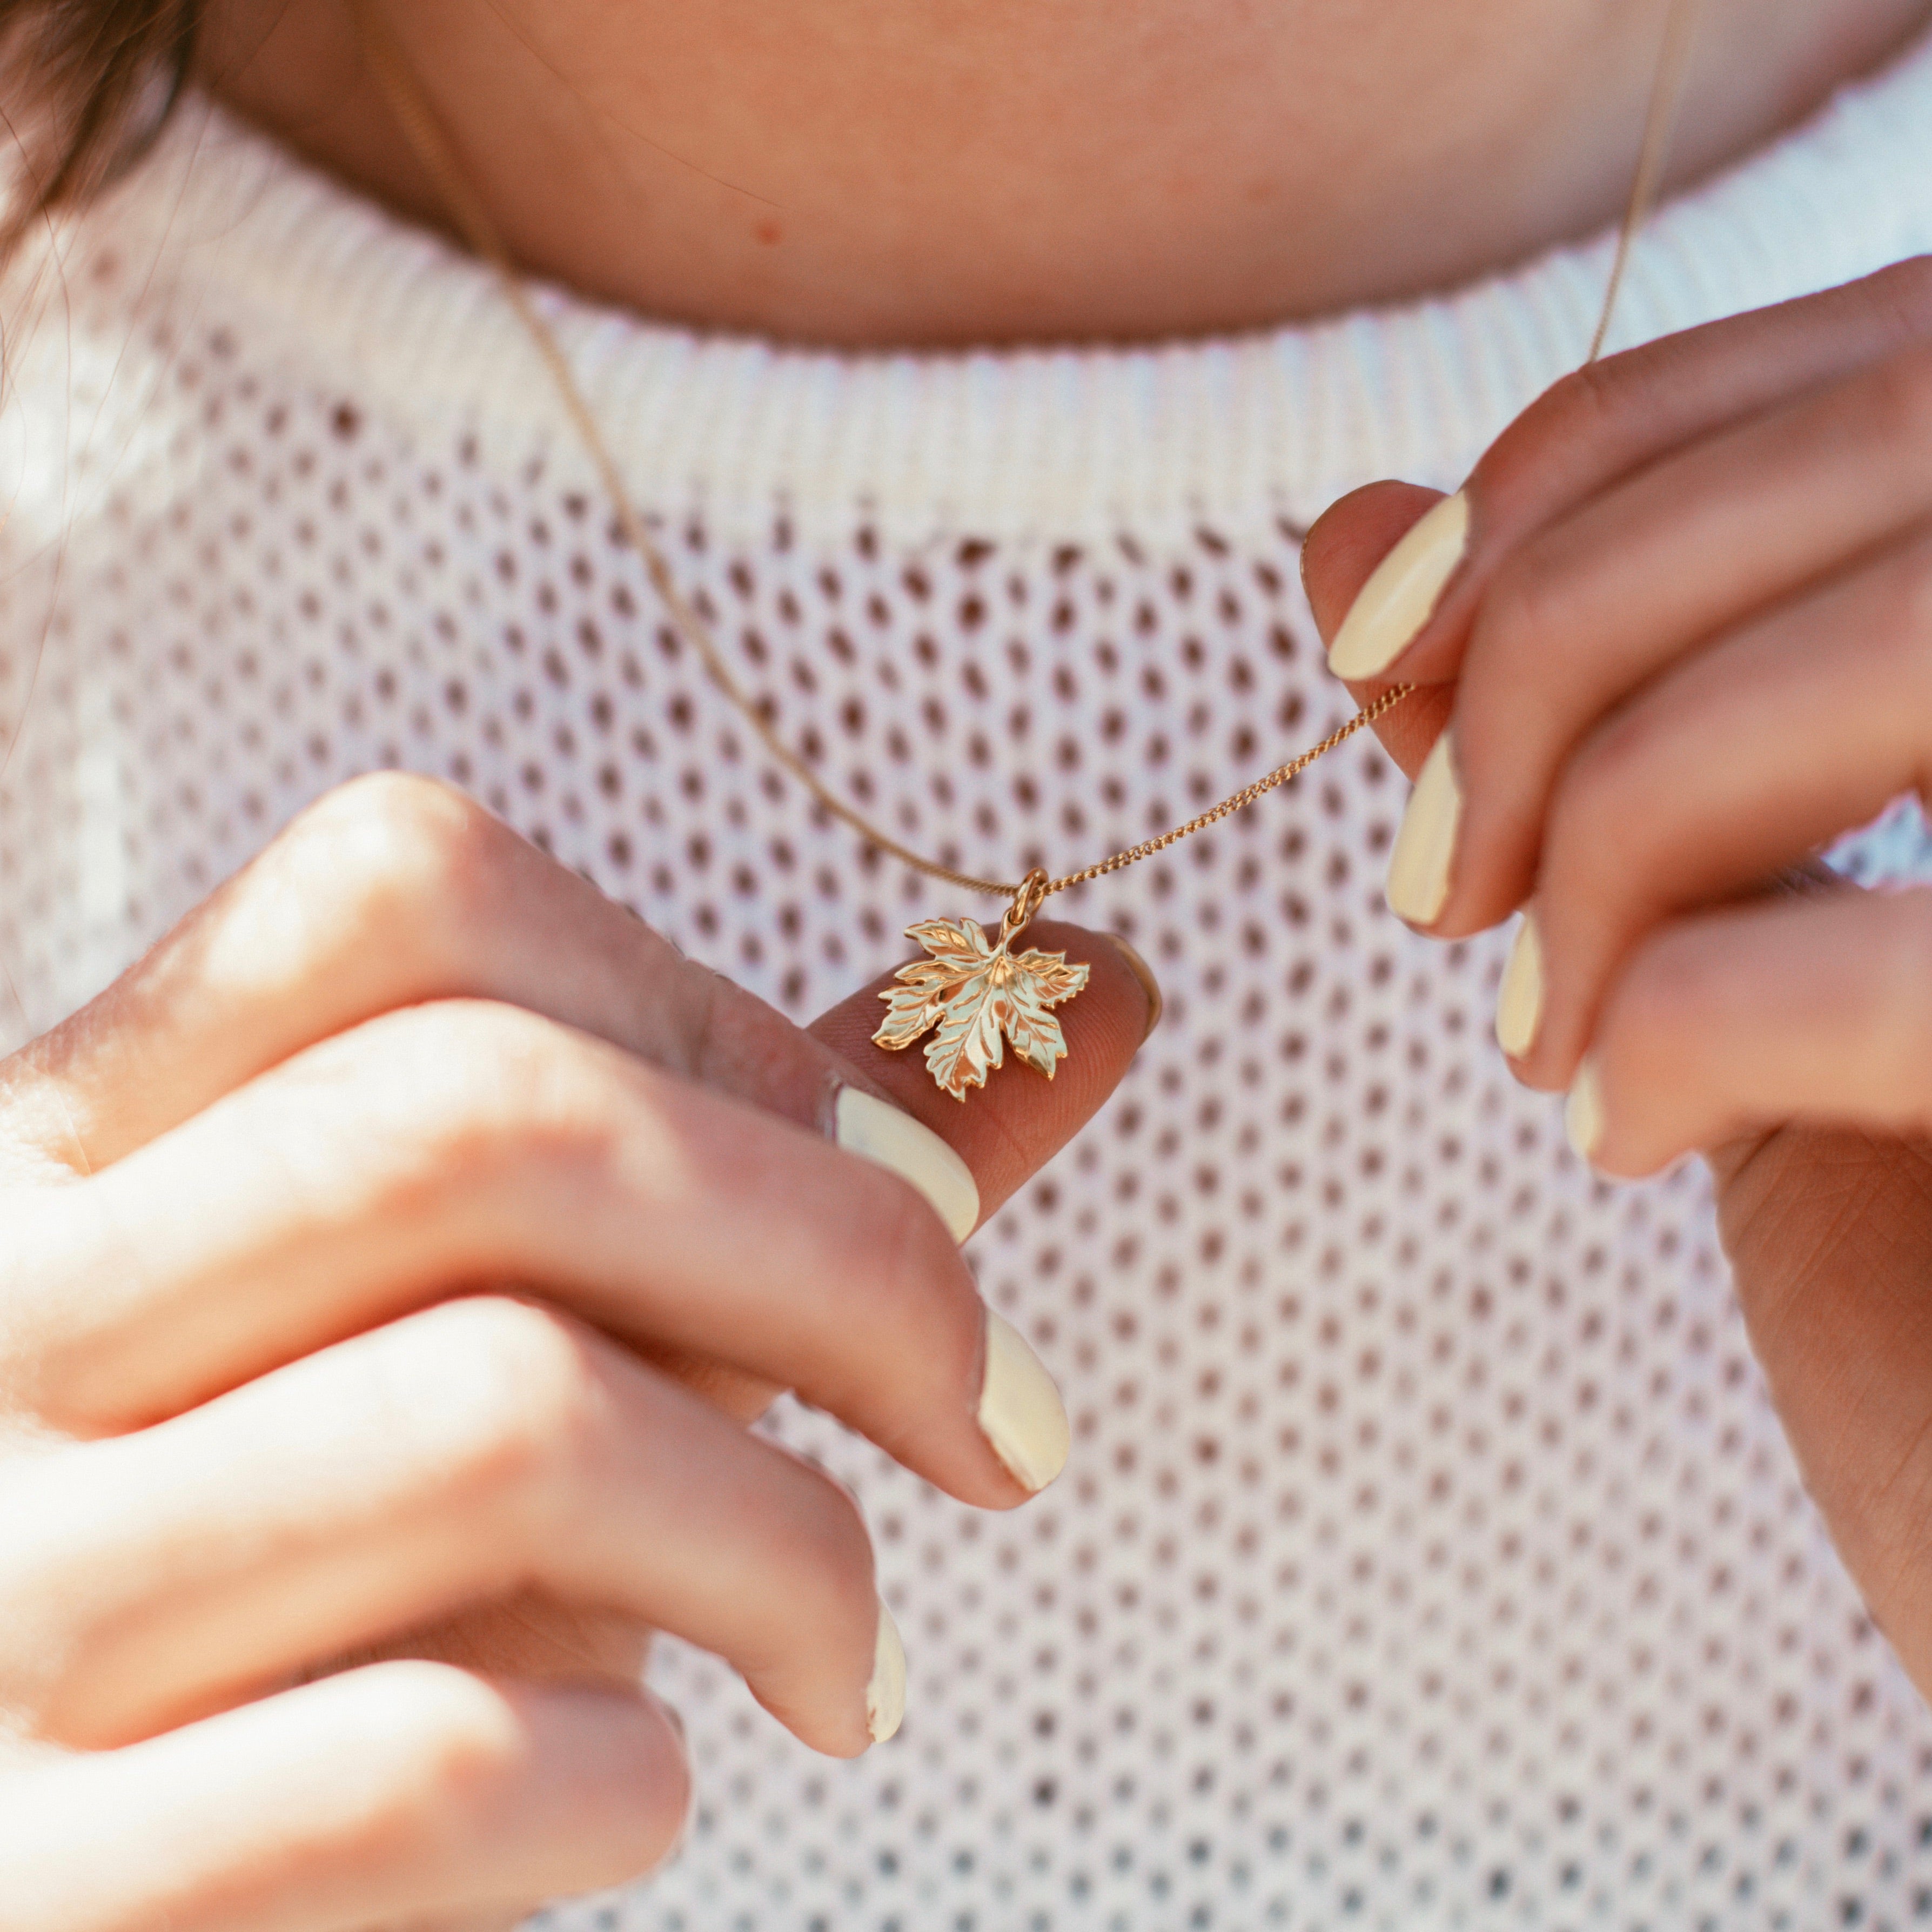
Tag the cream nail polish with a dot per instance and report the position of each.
(1425, 846)
(1583, 1112)
(1402, 591)
(1021, 1413)
(885, 1694)
(1519, 998)
(884, 1133)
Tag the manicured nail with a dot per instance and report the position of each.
(885, 1695)
(1583, 1112)
(1149, 985)
(882, 1133)
(1425, 847)
(1401, 595)
(1021, 1413)
(1519, 998)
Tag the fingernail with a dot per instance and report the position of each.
(1519, 998)
(1425, 847)
(1149, 985)
(1583, 1112)
(1021, 1413)
(879, 1132)
(1401, 595)
(885, 1695)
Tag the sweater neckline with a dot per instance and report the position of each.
(1014, 443)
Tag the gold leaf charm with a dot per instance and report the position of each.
(979, 994)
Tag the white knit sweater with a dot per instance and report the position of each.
(1429, 1555)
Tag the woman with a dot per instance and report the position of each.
(396, 1249)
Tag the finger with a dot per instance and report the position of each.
(1603, 423)
(1348, 541)
(482, 1448)
(1816, 1010)
(1009, 1129)
(391, 892)
(452, 1144)
(1744, 757)
(1341, 553)
(402, 1789)
(1602, 602)
(394, 891)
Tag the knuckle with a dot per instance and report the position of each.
(501, 1395)
(55, 1509)
(446, 1738)
(1599, 815)
(390, 850)
(1578, 406)
(1526, 603)
(1601, 405)
(477, 1088)
(457, 1753)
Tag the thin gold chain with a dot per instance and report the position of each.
(427, 138)
(431, 145)
(1280, 776)
(1667, 92)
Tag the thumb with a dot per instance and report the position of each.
(1009, 1129)
(1005, 1132)
(1338, 557)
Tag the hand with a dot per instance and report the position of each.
(391, 1257)
(1673, 638)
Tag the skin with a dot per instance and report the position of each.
(331, 1657)
(863, 172)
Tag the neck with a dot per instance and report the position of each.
(855, 172)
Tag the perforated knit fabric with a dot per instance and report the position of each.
(1429, 1555)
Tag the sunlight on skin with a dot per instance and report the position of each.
(856, 171)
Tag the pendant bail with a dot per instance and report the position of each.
(1027, 900)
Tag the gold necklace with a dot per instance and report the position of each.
(972, 994)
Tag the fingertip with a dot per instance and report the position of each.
(1394, 606)
(1584, 1119)
(865, 1125)
(886, 1690)
(1007, 1130)
(1349, 539)
(1020, 1410)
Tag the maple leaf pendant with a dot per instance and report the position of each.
(980, 993)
